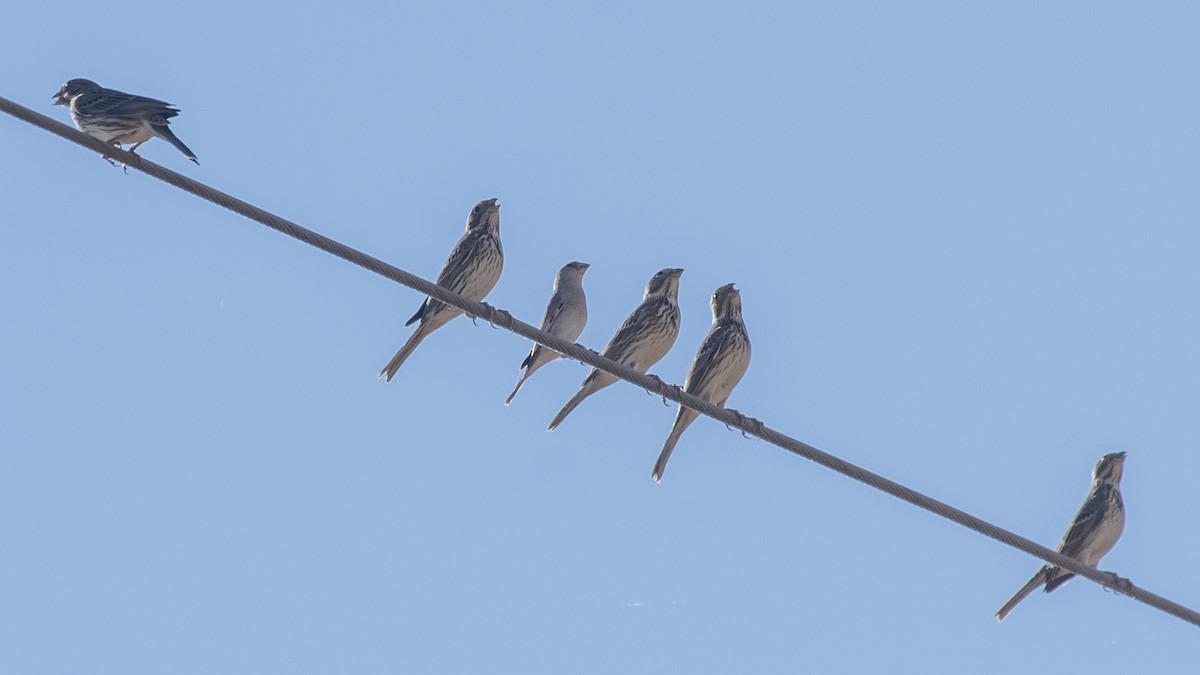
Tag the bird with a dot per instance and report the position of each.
(719, 365)
(565, 317)
(471, 270)
(1092, 534)
(116, 117)
(644, 338)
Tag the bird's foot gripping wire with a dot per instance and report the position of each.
(500, 317)
(661, 387)
(114, 162)
(1117, 584)
(110, 160)
(492, 313)
(754, 425)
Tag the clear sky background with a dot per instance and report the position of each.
(966, 239)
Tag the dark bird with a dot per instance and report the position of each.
(116, 117)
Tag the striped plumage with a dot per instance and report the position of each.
(566, 315)
(118, 118)
(1092, 534)
(472, 269)
(719, 365)
(644, 338)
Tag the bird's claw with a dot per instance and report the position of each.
(742, 421)
(659, 384)
(661, 387)
(1118, 584)
(756, 426)
(110, 160)
(503, 318)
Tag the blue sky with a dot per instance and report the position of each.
(966, 242)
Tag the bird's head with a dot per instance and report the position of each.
(73, 88)
(485, 214)
(573, 270)
(726, 303)
(664, 282)
(1109, 468)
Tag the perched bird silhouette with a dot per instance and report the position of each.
(1093, 533)
(566, 314)
(719, 365)
(116, 117)
(472, 269)
(644, 338)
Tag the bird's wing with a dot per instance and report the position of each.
(553, 310)
(713, 361)
(119, 104)
(626, 340)
(461, 263)
(707, 357)
(1084, 527)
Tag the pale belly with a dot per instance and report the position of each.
(115, 129)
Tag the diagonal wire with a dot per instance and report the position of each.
(500, 317)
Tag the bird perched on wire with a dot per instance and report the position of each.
(565, 318)
(116, 117)
(1095, 530)
(719, 365)
(472, 269)
(644, 338)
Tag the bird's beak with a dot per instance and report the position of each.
(58, 99)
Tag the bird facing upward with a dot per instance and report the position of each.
(472, 269)
(718, 366)
(1092, 534)
(116, 117)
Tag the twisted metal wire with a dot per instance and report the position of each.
(499, 317)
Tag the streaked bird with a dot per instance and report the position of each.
(565, 318)
(472, 269)
(719, 365)
(1095, 530)
(644, 338)
(116, 117)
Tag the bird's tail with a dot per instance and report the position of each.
(683, 418)
(596, 380)
(536, 358)
(1057, 577)
(1037, 580)
(524, 376)
(389, 371)
(165, 132)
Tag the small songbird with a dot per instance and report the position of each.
(472, 269)
(116, 117)
(719, 365)
(565, 318)
(1095, 530)
(644, 338)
